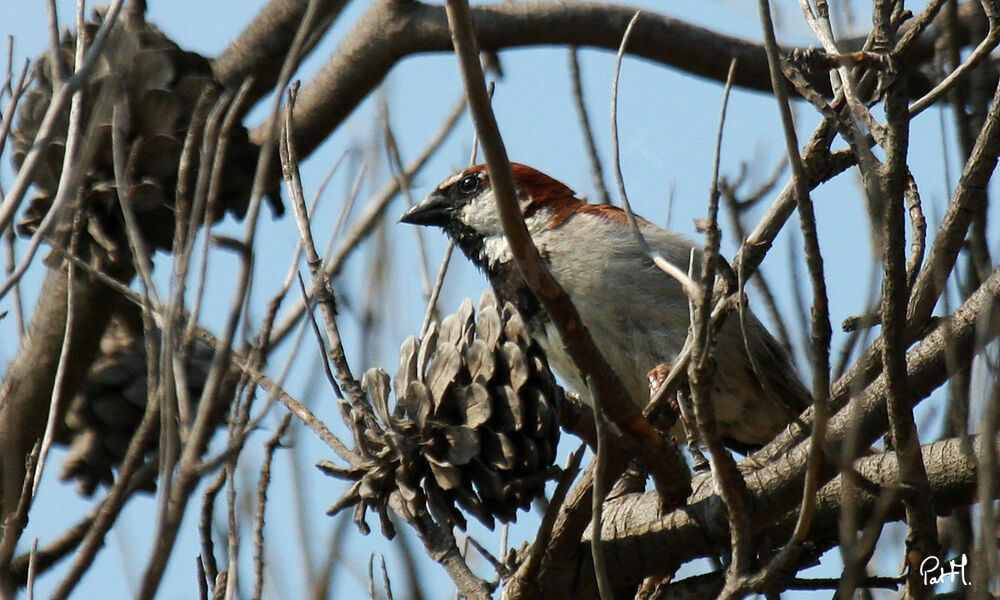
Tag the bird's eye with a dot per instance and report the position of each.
(469, 184)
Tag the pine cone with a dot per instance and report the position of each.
(105, 413)
(157, 87)
(474, 425)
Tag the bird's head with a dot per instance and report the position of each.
(465, 207)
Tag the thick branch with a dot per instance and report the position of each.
(27, 387)
(951, 472)
(391, 30)
(260, 49)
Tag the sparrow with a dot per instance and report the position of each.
(636, 314)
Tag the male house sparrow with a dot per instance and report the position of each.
(637, 315)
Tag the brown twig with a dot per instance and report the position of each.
(918, 230)
(324, 299)
(916, 27)
(604, 589)
(56, 403)
(397, 169)
(14, 524)
(193, 174)
(980, 53)
(436, 290)
(736, 207)
(596, 171)
(23, 81)
(207, 556)
(270, 446)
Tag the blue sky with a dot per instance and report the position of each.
(667, 128)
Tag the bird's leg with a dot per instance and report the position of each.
(632, 481)
(691, 431)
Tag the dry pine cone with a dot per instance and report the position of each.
(474, 425)
(104, 414)
(156, 87)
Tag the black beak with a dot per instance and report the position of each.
(435, 209)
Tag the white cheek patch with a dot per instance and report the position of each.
(481, 216)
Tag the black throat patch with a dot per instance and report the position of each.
(504, 277)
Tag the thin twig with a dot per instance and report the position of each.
(701, 372)
(15, 522)
(207, 202)
(917, 26)
(821, 330)
(24, 80)
(981, 52)
(604, 589)
(494, 561)
(56, 400)
(367, 220)
(737, 207)
(324, 296)
(689, 286)
(397, 168)
(596, 170)
(385, 578)
(529, 568)
(29, 587)
(436, 290)
(258, 523)
(232, 535)
(205, 526)
(321, 345)
(201, 578)
(57, 66)
(845, 83)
